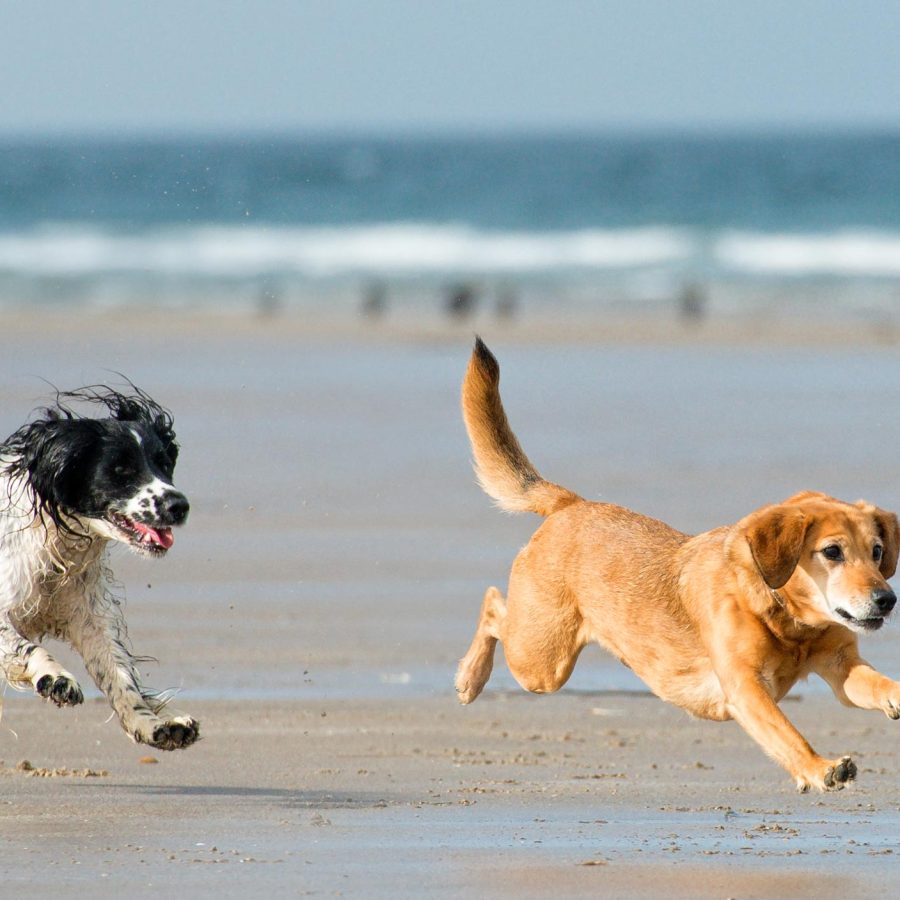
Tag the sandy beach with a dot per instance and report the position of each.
(313, 610)
(584, 794)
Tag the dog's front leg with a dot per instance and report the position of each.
(751, 705)
(855, 682)
(99, 638)
(24, 662)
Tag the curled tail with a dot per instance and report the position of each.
(503, 470)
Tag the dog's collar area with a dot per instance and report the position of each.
(785, 623)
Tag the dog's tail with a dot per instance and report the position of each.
(503, 470)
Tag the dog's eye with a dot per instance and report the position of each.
(877, 552)
(121, 470)
(833, 552)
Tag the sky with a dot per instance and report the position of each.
(432, 66)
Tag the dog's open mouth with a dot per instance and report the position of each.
(872, 624)
(142, 536)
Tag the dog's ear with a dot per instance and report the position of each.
(142, 408)
(776, 535)
(162, 425)
(47, 453)
(44, 455)
(889, 530)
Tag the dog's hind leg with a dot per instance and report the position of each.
(24, 662)
(475, 667)
(542, 636)
(543, 632)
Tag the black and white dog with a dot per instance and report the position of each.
(69, 485)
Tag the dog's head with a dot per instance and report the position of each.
(110, 478)
(831, 559)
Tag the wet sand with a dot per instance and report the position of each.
(313, 610)
(577, 795)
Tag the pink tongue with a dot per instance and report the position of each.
(161, 536)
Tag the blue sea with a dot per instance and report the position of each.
(215, 221)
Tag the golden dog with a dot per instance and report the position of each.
(721, 624)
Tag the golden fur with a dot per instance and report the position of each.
(721, 624)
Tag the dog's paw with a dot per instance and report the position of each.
(466, 692)
(840, 773)
(175, 734)
(892, 706)
(471, 677)
(60, 689)
(836, 775)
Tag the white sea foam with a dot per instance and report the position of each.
(841, 254)
(422, 250)
(387, 249)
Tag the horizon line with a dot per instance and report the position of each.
(723, 130)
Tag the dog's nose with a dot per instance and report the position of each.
(884, 599)
(175, 507)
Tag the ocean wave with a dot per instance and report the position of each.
(840, 254)
(433, 250)
(375, 250)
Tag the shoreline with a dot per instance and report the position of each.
(659, 326)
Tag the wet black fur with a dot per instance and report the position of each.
(77, 466)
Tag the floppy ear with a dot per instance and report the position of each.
(162, 425)
(44, 456)
(47, 452)
(775, 535)
(889, 530)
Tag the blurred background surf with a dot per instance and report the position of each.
(413, 156)
(564, 221)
